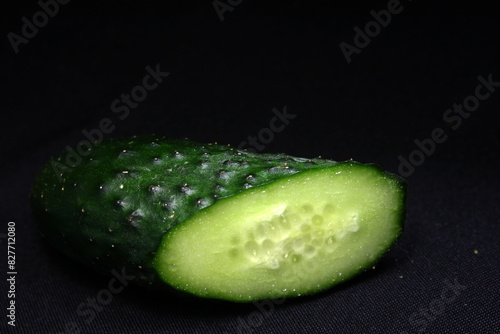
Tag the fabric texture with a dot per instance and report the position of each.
(413, 89)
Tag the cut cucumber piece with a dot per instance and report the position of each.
(217, 222)
(295, 236)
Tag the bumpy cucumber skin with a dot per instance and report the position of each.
(111, 210)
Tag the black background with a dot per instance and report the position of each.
(225, 79)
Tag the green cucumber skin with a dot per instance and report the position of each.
(87, 214)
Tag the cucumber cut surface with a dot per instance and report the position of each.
(294, 236)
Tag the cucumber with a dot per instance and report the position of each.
(217, 222)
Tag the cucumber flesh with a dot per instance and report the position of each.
(297, 235)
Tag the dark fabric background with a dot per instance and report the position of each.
(225, 79)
